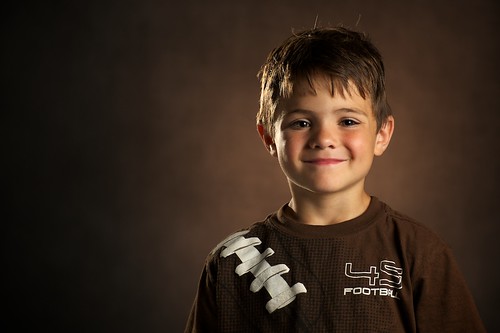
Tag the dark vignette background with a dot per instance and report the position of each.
(130, 146)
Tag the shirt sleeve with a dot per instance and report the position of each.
(203, 315)
(442, 300)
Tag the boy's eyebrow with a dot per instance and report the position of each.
(351, 110)
(341, 110)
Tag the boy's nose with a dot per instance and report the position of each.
(323, 137)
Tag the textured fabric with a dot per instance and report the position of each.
(380, 272)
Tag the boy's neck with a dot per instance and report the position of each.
(327, 209)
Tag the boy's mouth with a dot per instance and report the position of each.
(325, 161)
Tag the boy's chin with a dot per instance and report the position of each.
(325, 190)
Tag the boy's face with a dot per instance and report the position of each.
(324, 143)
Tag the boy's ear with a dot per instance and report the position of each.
(266, 139)
(384, 136)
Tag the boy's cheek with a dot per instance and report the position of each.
(360, 145)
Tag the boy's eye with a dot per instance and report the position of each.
(301, 124)
(348, 122)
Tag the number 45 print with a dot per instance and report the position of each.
(387, 274)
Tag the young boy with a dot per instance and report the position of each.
(333, 259)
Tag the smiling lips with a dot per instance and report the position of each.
(325, 161)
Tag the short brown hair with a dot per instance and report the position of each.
(338, 54)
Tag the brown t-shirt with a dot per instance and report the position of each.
(380, 272)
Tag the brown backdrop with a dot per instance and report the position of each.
(131, 149)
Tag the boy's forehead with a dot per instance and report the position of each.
(303, 89)
(304, 86)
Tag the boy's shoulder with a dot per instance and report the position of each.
(412, 228)
(248, 236)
